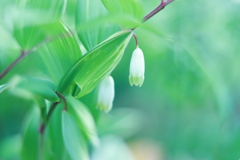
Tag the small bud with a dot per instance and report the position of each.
(137, 68)
(106, 94)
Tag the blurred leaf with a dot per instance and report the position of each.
(28, 86)
(54, 139)
(83, 118)
(8, 150)
(73, 138)
(30, 142)
(124, 122)
(95, 65)
(3, 87)
(60, 54)
(29, 33)
(130, 8)
(88, 11)
(110, 147)
(127, 7)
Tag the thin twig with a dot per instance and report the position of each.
(52, 108)
(35, 48)
(23, 54)
(156, 10)
(44, 124)
(135, 37)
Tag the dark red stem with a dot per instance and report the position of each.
(156, 10)
(23, 54)
(135, 37)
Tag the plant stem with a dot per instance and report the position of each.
(35, 48)
(156, 10)
(44, 124)
(41, 147)
(52, 108)
(63, 100)
(23, 54)
(136, 40)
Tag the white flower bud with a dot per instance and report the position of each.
(137, 68)
(106, 94)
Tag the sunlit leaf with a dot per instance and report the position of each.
(61, 53)
(89, 11)
(83, 118)
(90, 69)
(73, 138)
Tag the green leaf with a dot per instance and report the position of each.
(129, 8)
(30, 142)
(33, 15)
(30, 86)
(73, 138)
(89, 11)
(3, 87)
(91, 68)
(83, 118)
(54, 140)
(60, 54)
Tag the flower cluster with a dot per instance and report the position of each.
(136, 77)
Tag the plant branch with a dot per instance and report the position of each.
(52, 108)
(135, 37)
(44, 124)
(35, 48)
(23, 53)
(156, 10)
(63, 100)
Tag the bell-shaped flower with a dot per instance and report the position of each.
(137, 68)
(106, 94)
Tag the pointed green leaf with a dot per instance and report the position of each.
(60, 54)
(73, 138)
(83, 118)
(30, 142)
(90, 69)
(30, 86)
(89, 11)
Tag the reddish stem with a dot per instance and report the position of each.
(135, 37)
(23, 54)
(156, 10)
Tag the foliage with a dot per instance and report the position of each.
(187, 106)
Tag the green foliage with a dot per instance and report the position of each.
(187, 108)
(83, 118)
(92, 36)
(73, 138)
(90, 69)
(130, 8)
(31, 137)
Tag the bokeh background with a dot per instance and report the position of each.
(188, 106)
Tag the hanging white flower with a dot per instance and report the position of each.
(106, 94)
(137, 68)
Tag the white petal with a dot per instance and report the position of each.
(137, 68)
(106, 94)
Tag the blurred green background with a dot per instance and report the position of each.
(188, 106)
